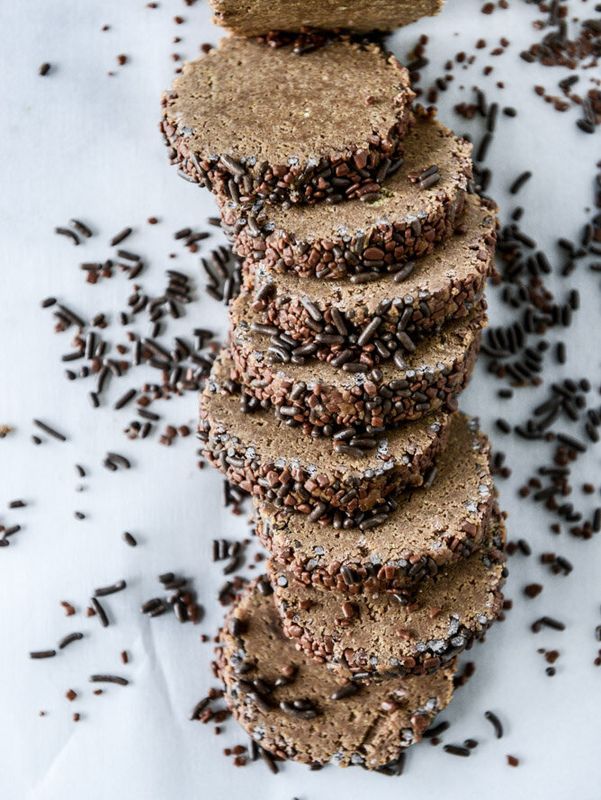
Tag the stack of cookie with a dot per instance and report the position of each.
(364, 259)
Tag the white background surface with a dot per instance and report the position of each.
(80, 143)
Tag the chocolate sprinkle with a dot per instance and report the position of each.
(103, 591)
(102, 615)
(37, 654)
(68, 639)
(109, 679)
(50, 431)
(495, 722)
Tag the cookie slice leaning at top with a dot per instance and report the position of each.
(262, 16)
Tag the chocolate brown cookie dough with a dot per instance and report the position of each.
(254, 122)
(319, 477)
(419, 205)
(447, 284)
(431, 527)
(255, 17)
(356, 397)
(297, 709)
(383, 633)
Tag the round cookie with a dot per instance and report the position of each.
(431, 527)
(297, 709)
(263, 16)
(359, 397)
(330, 316)
(418, 206)
(316, 476)
(387, 634)
(247, 121)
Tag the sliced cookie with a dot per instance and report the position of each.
(336, 320)
(385, 634)
(247, 121)
(432, 527)
(319, 477)
(376, 233)
(297, 709)
(263, 16)
(358, 397)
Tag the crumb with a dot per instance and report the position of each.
(69, 609)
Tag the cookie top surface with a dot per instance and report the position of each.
(369, 727)
(378, 633)
(261, 104)
(428, 523)
(463, 259)
(401, 199)
(272, 439)
(433, 354)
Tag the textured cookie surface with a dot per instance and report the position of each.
(269, 459)
(431, 527)
(329, 397)
(298, 709)
(418, 206)
(248, 120)
(255, 17)
(382, 633)
(446, 284)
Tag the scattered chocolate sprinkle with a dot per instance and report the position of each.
(102, 615)
(109, 679)
(495, 722)
(68, 233)
(125, 399)
(457, 750)
(36, 654)
(103, 591)
(269, 760)
(547, 622)
(50, 431)
(81, 228)
(120, 237)
(68, 639)
(520, 181)
(435, 731)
